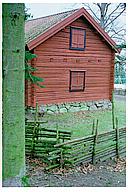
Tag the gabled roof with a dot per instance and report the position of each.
(35, 27)
(39, 30)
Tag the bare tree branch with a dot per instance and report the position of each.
(98, 4)
(89, 8)
(108, 4)
(106, 14)
(117, 32)
(115, 17)
(114, 12)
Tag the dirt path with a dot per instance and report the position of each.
(105, 174)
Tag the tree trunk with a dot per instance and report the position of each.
(102, 14)
(120, 73)
(13, 94)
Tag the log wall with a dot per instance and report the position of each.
(55, 60)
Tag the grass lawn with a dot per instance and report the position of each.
(80, 123)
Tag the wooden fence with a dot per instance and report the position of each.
(40, 140)
(57, 150)
(91, 149)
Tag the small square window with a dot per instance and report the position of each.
(77, 81)
(77, 38)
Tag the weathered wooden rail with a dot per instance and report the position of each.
(91, 149)
(40, 140)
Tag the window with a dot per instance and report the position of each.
(77, 81)
(77, 38)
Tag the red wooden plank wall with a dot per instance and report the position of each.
(55, 60)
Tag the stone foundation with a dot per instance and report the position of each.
(74, 107)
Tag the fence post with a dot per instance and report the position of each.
(57, 134)
(35, 132)
(36, 115)
(93, 127)
(117, 139)
(113, 114)
(94, 146)
(61, 159)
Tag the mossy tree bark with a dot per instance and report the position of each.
(13, 165)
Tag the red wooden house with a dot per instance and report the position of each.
(75, 56)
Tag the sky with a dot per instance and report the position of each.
(44, 9)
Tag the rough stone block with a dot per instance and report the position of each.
(53, 108)
(105, 101)
(93, 107)
(68, 106)
(101, 101)
(82, 104)
(74, 109)
(89, 103)
(110, 107)
(83, 108)
(105, 106)
(99, 105)
(76, 105)
(50, 112)
(63, 110)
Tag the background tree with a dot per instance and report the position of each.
(13, 164)
(108, 16)
(120, 69)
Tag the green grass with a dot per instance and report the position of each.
(80, 123)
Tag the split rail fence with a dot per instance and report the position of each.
(40, 140)
(51, 146)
